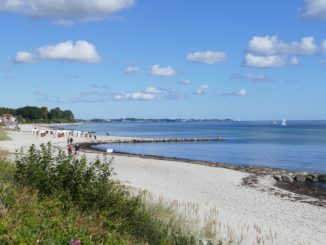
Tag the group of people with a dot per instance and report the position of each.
(71, 146)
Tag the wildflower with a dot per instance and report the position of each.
(75, 242)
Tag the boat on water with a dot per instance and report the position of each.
(284, 123)
(108, 133)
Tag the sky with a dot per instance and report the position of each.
(246, 60)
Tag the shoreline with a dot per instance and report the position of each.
(307, 188)
(238, 167)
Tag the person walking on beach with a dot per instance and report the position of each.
(71, 140)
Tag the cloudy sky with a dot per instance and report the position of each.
(245, 60)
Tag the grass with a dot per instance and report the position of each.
(48, 198)
(3, 155)
(27, 219)
(3, 135)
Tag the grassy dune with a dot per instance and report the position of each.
(48, 198)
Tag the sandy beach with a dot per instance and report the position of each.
(211, 197)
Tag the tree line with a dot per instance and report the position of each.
(39, 114)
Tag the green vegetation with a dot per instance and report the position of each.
(52, 198)
(39, 114)
(3, 135)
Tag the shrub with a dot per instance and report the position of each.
(89, 186)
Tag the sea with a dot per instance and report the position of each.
(300, 145)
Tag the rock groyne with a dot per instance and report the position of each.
(159, 140)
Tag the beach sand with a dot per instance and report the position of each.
(213, 199)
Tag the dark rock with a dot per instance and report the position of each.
(314, 177)
(277, 178)
(322, 178)
(287, 178)
(310, 178)
(300, 178)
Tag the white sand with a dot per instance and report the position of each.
(213, 194)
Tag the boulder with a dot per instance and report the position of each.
(314, 177)
(310, 178)
(300, 178)
(277, 178)
(322, 178)
(287, 178)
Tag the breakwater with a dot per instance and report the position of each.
(157, 140)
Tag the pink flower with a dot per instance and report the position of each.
(75, 242)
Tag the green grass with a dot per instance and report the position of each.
(27, 219)
(48, 198)
(3, 135)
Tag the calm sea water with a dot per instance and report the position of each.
(301, 145)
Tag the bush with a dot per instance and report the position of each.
(89, 186)
(26, 219)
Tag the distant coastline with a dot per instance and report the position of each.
(99, 120)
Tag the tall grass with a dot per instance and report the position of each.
(56, 198)
(26, 219)
(3, 155)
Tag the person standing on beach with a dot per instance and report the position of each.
(69, 150)
(76, 149)
(71, 140)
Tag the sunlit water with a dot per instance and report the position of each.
(301, 145)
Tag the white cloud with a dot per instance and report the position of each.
(307, 46)
(152, 90)
(272, 45)
(80, 51)
(208, 57)
(132, 69)
(202, 90)
(134, 96)
(185, 82)
(264, 61)
(294, 61)
(314, 10)
(162, 71)
(150, 93)
(270, 51)
(252, 77)
(24, 57)
(241, 93)
(66, 9)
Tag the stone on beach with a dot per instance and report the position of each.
(300, 178)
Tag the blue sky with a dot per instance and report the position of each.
(244, 60)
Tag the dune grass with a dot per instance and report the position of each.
(48, 198)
